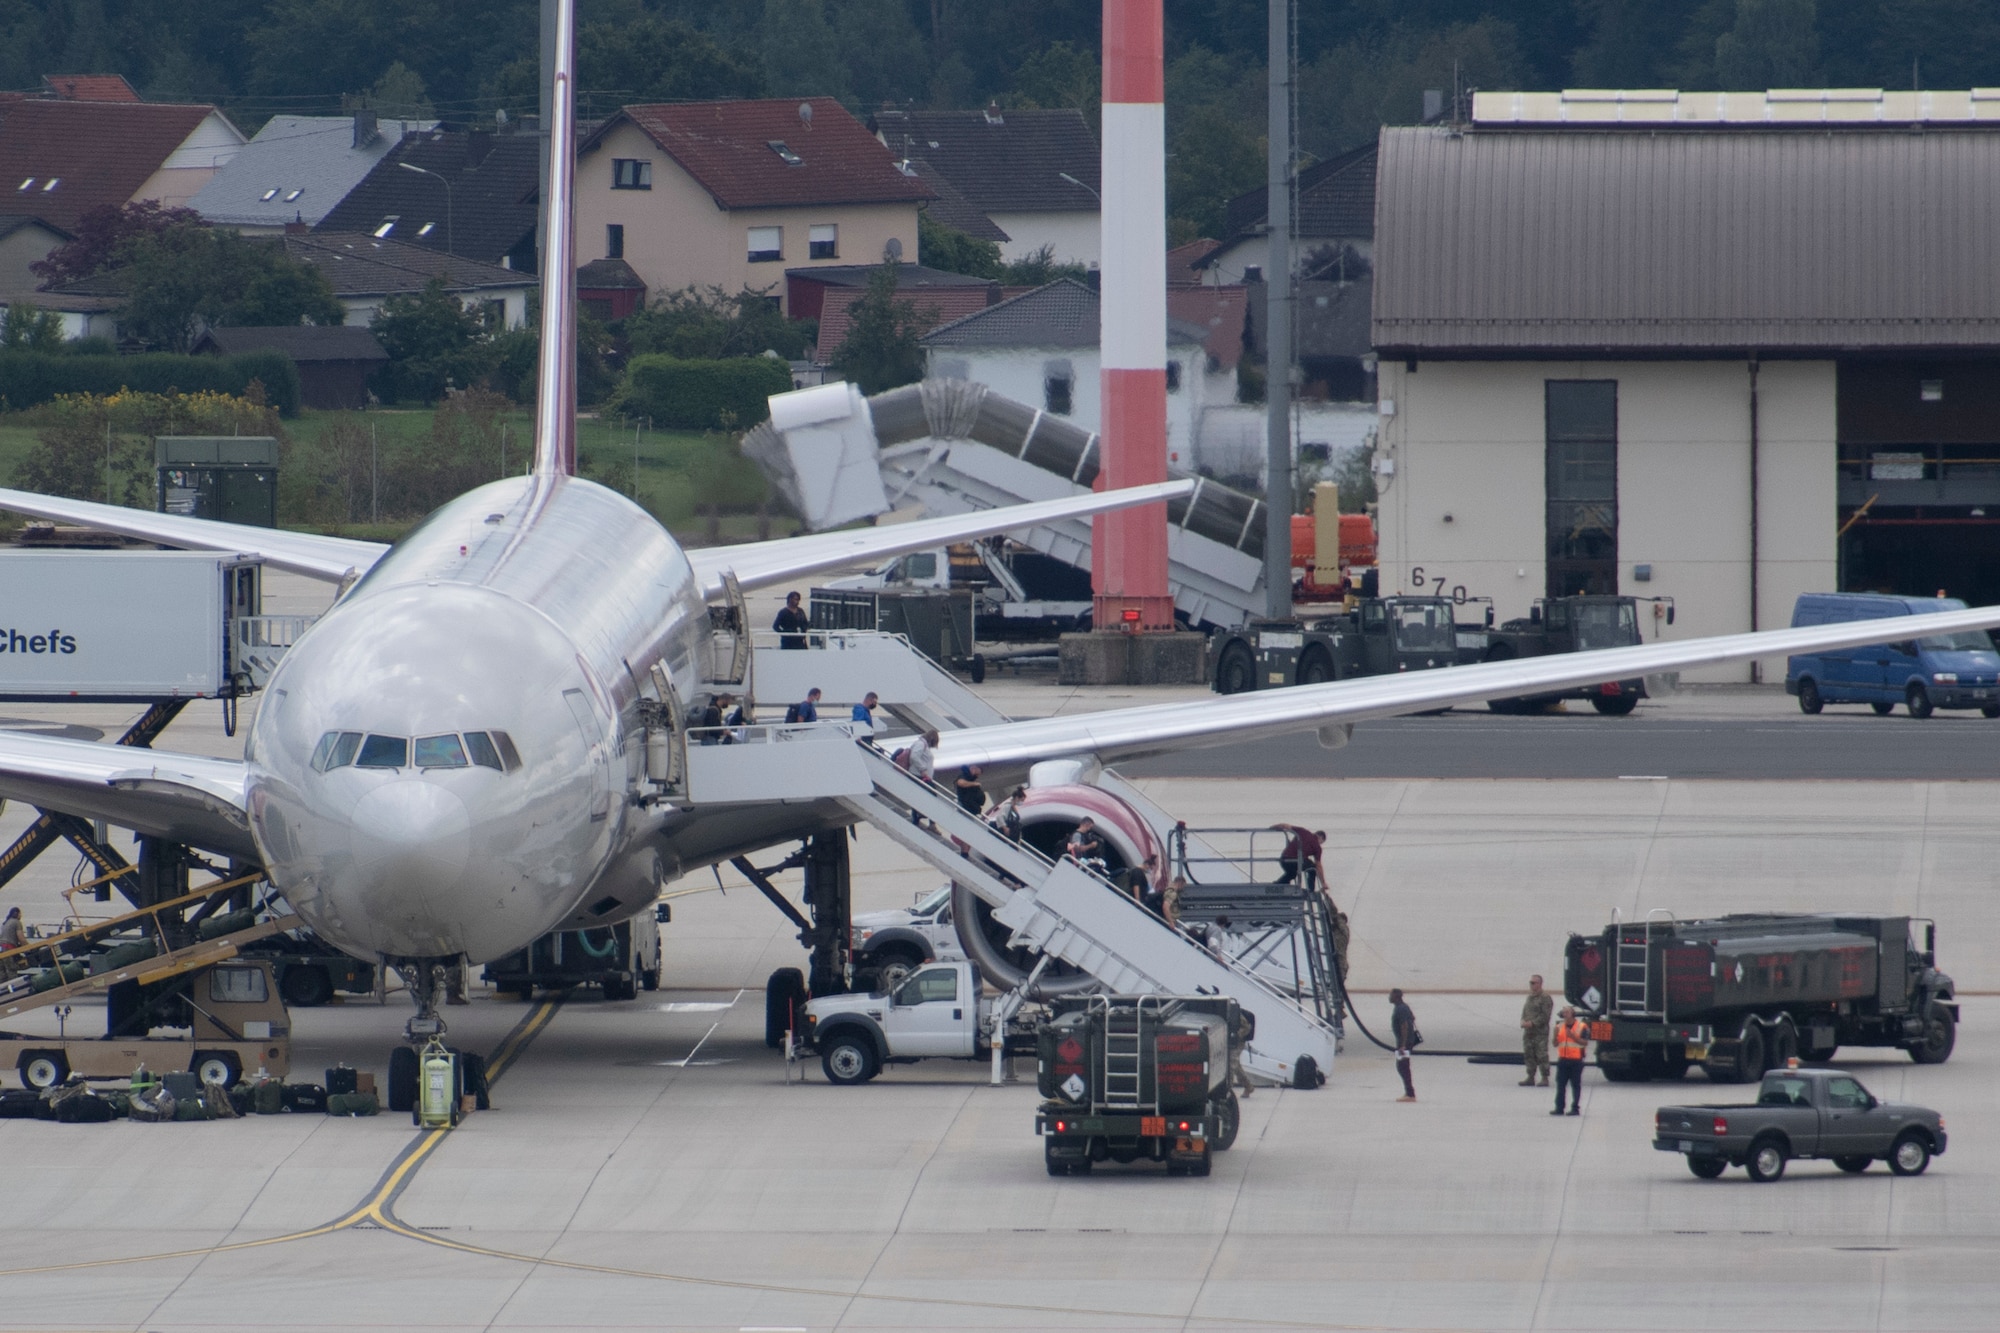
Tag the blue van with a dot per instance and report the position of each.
(1946, 671)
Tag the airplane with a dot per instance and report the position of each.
(442, 768)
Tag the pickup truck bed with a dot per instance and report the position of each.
(1801, 1113)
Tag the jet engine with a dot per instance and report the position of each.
(1049, 814)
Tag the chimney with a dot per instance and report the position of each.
(298, 226)
(365, 132)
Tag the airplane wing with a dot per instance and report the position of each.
(1332, 709)
(760, 564)
(183, 797)
(335, 559)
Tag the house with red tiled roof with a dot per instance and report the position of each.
(732, 194)
(60, 159)
(89, 87)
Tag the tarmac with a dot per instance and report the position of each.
(650, 1164)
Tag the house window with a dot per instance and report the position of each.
(614, 240)
(823, 241)
(766, 244)
(631, 173)
(1173, 377)
(1058, 380)
(1582, 486)
(1253, 273)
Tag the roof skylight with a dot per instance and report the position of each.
(27, 184)
(778, 146)
(293, 196)
(267, 196)
(388, 225)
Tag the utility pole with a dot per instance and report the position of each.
(374, 480)
(1278, 323)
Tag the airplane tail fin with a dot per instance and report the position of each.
(555, 396)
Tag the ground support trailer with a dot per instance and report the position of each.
(1743, 994)
(1129, 1078)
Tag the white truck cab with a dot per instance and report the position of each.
(895, 943)
(936, 1012)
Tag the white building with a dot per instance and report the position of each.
(297, 170)
(1727, 348)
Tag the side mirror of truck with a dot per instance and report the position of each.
(1535, 614)
(663, 912)
(1489, 615)
(1670, 613)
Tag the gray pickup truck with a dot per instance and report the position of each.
(1801, 1113)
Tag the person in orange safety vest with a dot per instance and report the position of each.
(1572, 1037)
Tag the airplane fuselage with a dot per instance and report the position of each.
(443, 764)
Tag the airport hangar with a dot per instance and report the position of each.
(1726, 348)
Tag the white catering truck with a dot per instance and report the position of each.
(135, 626)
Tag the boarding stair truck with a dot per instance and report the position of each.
(1577, 624)
(1742, 994)
(1128, 1078)
(1046, 906)
(1017, 592)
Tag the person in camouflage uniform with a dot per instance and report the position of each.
(1536, 1015)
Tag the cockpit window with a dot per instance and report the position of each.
(336, 750)
(481, 749)
(508, 754)
(384, 752)
(440, 752)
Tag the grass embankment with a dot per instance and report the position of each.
(680, 473)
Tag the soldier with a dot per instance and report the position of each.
(1341, 935)
(1536, 1014)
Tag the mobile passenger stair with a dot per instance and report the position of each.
(953, 447)
(1056, 908)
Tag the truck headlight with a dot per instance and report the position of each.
(1945, 677)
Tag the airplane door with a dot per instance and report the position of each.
(600, 758)
(930, 1016)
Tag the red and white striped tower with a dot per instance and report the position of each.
(1130, 546)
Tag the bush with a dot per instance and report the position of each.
(28, 379)
(701, 395)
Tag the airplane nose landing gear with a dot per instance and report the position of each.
(424, 978)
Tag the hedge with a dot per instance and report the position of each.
(701, 395)
(30, 378)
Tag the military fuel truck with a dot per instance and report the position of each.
(1742, 994)
(1130, 1078)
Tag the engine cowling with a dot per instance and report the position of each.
(1049, 814)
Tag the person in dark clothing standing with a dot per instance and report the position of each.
(1403, 1022)
(792, 623)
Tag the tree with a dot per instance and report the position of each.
(102, 232)
(881, 349)
(951, 250)
(1058, 76)
(434, 344)
(800, 53)
(708, 324)
(399, 94)
(187, 277)
(1774, 44)
(1039, 268)
(29, 329)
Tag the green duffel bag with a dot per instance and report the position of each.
(267, 1096)
(138, 951)
(352, 1103)
(226, 924)
(191, 1108)
(51, 977)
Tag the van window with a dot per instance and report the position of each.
(238, 985)
(1965, 641)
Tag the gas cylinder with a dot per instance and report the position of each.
(437, 1087)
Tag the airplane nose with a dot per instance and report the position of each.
(412, 831)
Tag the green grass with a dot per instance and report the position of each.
(679, 472)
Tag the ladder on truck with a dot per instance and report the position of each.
(1632, 961)
(1061, 909)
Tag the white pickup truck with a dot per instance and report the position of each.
(937, 1012)
(895, 943)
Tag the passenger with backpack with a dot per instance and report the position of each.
(807, 709)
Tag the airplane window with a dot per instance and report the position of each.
(508, 754)
(383, 752)
(480, 747)
(335, 750)
(440, 752)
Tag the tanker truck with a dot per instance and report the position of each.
(1129, 1078)
(1742, 994)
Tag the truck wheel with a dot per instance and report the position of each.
(1315, 668)
(1990, 710)
(42, 1070)
(1708, 1168)
(848, 1059)
(1229, 1119)
(978, 672)
(1809, 700)
(402, 1079)
(1236, 673)
(1614, 705)
(1940, 1035)
(1882, 708)
(1057, 1168)
(650, 978)
(1853, 1165)
(1918, 700)
(306, 986)
(1910, 1156)
(217, 1067)
(897, 962)
(1200, 1168)
(1750, 1064)
(1766, 1161)
(782, 996)
(1783, 1045)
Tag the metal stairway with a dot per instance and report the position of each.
(1058, 908)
